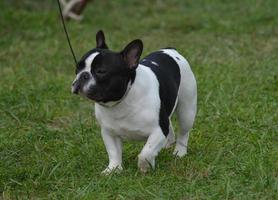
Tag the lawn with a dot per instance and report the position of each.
(50, 144)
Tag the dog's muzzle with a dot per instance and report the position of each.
(75, 87)
(79, 82)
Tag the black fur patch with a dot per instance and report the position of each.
(167, 72)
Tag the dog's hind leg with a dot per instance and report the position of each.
(186, 108)
(186, 111)
(170, 137)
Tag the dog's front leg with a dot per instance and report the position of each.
(113, 146)
(155, 142)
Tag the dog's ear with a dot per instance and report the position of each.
(100, 40)
(132, 53)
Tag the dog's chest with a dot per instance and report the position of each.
(128, 124)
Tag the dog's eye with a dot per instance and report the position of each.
(100, 72)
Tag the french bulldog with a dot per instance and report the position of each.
(134, 100)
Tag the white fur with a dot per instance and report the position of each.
(89, 60)
(136, 117)
(154, 63)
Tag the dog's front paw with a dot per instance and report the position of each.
(144, 164)
(112, 169)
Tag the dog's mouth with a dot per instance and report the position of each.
(88, 93)
(95, 98)
(90, 96)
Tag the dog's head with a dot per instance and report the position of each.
(103, 75)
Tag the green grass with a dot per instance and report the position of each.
(50, 145)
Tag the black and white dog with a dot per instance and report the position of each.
(135, 99)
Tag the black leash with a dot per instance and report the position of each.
(65, 29)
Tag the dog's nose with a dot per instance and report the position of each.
(75, 87)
